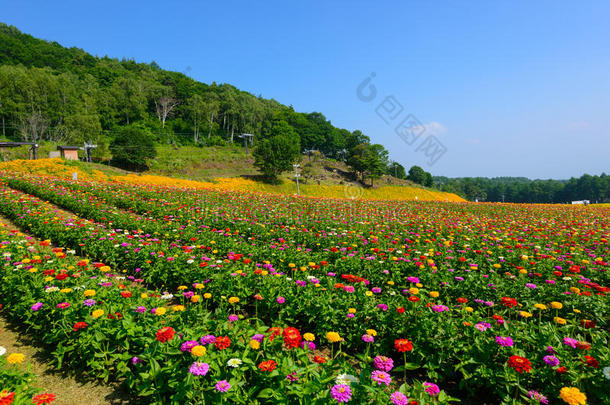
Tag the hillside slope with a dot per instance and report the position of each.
(344, 190)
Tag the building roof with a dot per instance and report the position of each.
(15, 144)
(66, 147)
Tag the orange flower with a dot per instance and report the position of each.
(43, 399)
(165, 334)
(403, 345)
(222, 342)
(268, 365)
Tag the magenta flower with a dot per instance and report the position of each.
(222, 386)
(188, 345)
(37, 306)
(551, 360)
(281, 300)
(201, 369)
(570, 342)
(432, 389)
(63, 305)
(398, 398)
(535, 395)
(381, 377)
(208, 339)
(233, 318)
(376, 290)
(341, 392)
(383, 363)
(368, 338)
(292, 377)
(504, 341)
(440, 308)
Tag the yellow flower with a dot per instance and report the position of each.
(434, 294)
(198, 351)
(15, 358)
(369, 293)
(97, 313)
(559, 320)
(33, 270)
(577, 310)
(540, 306)
(255, 344)
(414, 290)
(233, 300)
(575, 290)
(371, 332)
(144, 296)
(556, 305)
(160, 311)
(333, 337)
(207, 296)
(310, 337)
(199, 286)
(390, 282)
(89, 293)
(47, 279)
(65, 290)
(572, 396)
(497, 266)
(525, 314)
(523, 271)
(469, 309)
(177, 308)
(195, 298)
(182, 287)
(420, 285)
(351, 310)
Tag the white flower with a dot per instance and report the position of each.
(607, 372)
(167, 296)
(51, 289)
(234, 362)
(567, 278)
(189, 261)
(3, 350)
(346, 379)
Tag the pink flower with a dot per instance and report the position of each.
(281, 300)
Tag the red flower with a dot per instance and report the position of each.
(61, 276)
(562, 370)
(403, 345)
(587, 324)
(292, 337)
(43, 399)
(125, 294)
(583, 345)
(520, 364)
(258, 297)
(413, 298)
(462, 300)
(275, 331)
(165, 334)
(509, 302)
(79, 325)
(222, 342)
(400, 310)
(591, 362)
(319, 359)
(268, 365)
(6, 398)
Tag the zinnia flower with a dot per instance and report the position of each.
(519, 364)
(403, 345)
(268, 365)
(222, 342)
(381, 377)
(222, 386)
(15, 358)
(333, 337)
(432, 389)
(43, 399)
(572, 396)
(551, 360)
(199, 368)
(383, 363)
(341, 393)
(165, 334)
(398, 398)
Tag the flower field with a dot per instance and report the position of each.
(206, 295)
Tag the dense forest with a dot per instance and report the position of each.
(49, 92)
(523, 190)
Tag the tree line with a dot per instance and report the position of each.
(522, 190)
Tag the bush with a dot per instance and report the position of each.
(131, 148)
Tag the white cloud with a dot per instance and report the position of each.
(435, 128)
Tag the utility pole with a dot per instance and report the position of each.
(246, 138)
(296, 176)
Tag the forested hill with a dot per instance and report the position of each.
(49, 92)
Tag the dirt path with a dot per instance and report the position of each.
(69, 388)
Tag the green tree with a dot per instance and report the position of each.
(131, 147)
(417, 175)
(277, 153)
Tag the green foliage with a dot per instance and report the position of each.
(420, 176)
(65, 95)
(131, 147)
(277, 153)
(523, 190)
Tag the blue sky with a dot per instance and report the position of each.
(509, 88)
